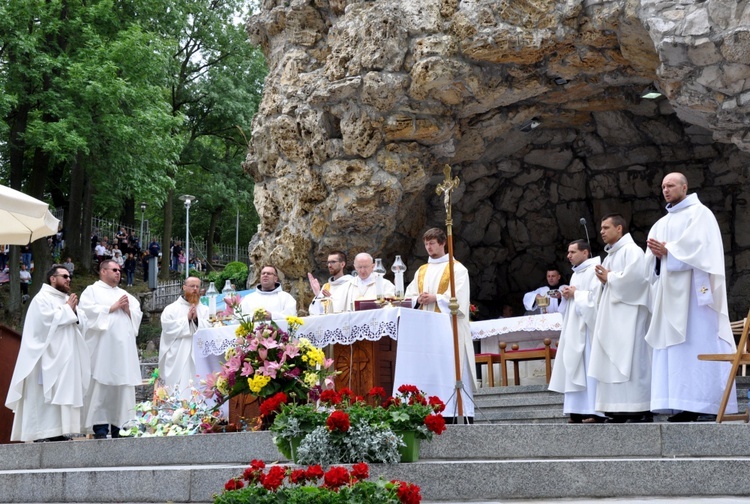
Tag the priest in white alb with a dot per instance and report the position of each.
(569, 375)
(113, 318)
(364, 285)
(552, 291)
(179, 321)
(269, 296)
(430, 291)
(331, 296)
(52, 370)
(620, 358)
(685, 260)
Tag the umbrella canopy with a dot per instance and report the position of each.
(23, 219)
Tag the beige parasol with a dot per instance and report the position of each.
(23, 219)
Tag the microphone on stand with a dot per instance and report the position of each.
(583, 223)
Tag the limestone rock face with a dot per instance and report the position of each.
(537, 106)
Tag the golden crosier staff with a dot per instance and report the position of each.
(446, 189)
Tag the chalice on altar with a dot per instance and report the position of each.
(542, 302)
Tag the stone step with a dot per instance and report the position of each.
(467, 463)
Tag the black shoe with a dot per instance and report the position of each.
(617, 419)
(705, 418)
(594, 419)
(575, 418)
(683, 416)
(646, 417)
(53, 439)
(100, 436)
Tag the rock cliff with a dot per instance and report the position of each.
(536, 104)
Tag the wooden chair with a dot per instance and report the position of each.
(490, 359)
(740, 357)
(515, 356)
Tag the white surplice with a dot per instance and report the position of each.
(690, 313)
(52, 372)
(435, 269)
(279, 303)
(176, 360)
(620, 358)
(569, 375)
(365, 289)
(555, 305)
(115, 367)
(338, 289)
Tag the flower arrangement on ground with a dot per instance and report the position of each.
(169, 413)
(314, 486)
(345, 428)
(265, 360)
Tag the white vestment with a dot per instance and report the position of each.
(52, 372)
(620, 357)
(176, 361)
(569, 375)
(336, 301)
(433, 278)
(555, 305)
(115, 368)
(690, 314)
(279, 303)
(360, 289)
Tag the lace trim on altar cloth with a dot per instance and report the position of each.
(348, 334)
(214, 346)
(498, 327)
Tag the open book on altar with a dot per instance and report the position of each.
(372, 304)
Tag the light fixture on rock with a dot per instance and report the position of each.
(651, 93)
(530, 125)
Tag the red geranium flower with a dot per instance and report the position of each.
(436, 423)
(360, 471)
(336, 477)
(437, 405)
(272, 403)
(346, 392)
(338, 420)
(274, 478)
(408, 389)
(314, 472)
(377, 392)
(330, 397)
(233, 484)
(298, 476)
(391, 401)
(417, 399)
(408, 493)
(254, 473)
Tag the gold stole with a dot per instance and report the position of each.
(442, 286)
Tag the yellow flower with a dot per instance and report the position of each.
(229, 353)
(294, 321)
(304, 344)
(240, 331)
(314, 356)
(222, 385)
(257, 382)
(311, 379)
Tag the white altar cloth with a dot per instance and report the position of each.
(424, 356)
(515, 329)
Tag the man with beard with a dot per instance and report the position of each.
(685, 260)
(331, 298)
(269, 296)
(364, 285)
(620, 358)
(52, 371)
(569, 376)
(179, 321)
(551, 290)
(113, 317)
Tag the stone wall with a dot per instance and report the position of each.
(366, 101)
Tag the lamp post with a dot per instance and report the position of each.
(140, 236)
(188, 199)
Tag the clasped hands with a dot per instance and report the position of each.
(658, 248)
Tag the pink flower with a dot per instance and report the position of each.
(234, 364)
(291, 351)
(269, 368)
(327, 363)
(247, 369)
(208, 391)
(269, 343)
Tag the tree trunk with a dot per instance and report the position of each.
(210, 238)
(40, 251)
(165, 236)
(87, 252)
(75, 238)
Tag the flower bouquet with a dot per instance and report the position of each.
(265, 360)
(314, 486)
(345, 428)
(169, 413)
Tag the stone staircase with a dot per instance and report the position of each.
(527, 453)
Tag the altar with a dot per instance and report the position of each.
(386, 347)
(528, 331)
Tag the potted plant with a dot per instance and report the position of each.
(344, 428)
(314, 486)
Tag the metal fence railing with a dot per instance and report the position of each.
(164, 294)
